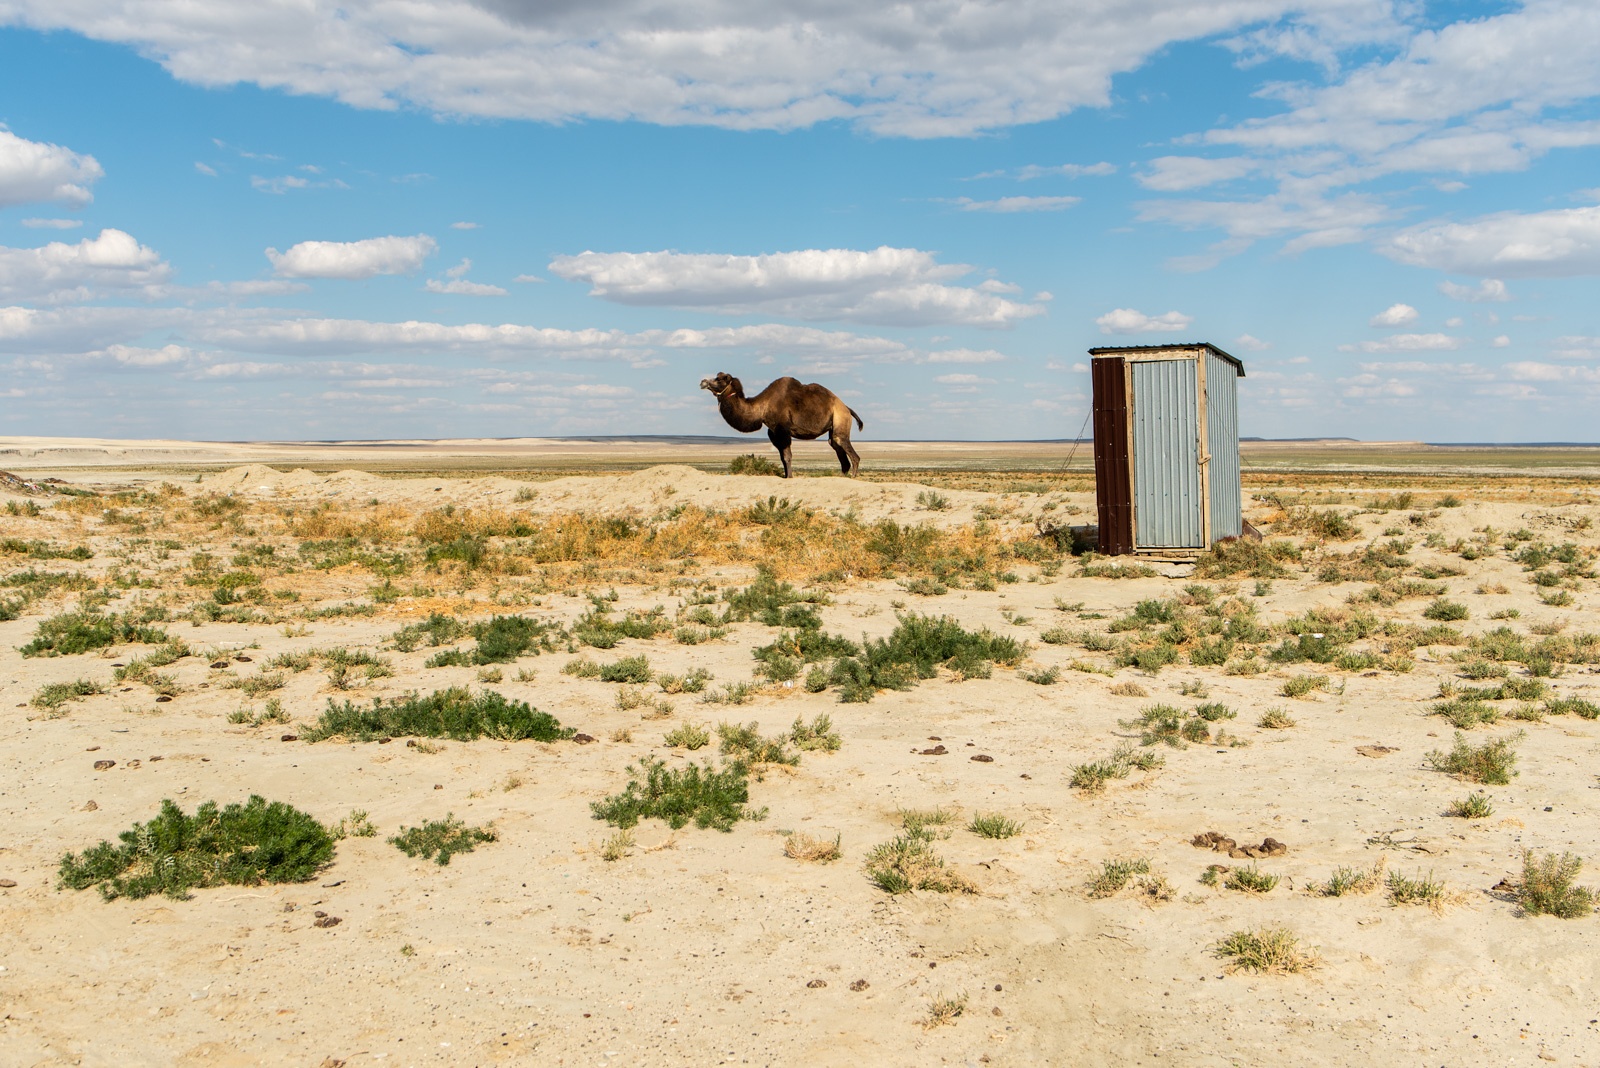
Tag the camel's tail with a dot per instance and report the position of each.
(859, 424)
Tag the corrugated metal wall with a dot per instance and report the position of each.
(1222, 438)
(1166, 464)
(1113, 503)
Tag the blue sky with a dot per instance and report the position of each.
(497, 218)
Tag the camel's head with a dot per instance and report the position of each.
(721, 385)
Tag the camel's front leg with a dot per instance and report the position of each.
(782, 442)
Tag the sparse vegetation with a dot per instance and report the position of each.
(1352, 880)
(1250, 879)
(52, 696)
(709, 796)
(688, 736)
(1115, 874)
(439, 840)
(1273, 950)
(1549, 886)
(909, 862)
(1417, 889)
(802, 846)
(1275, 719)
(256, 842)
(455, 713)
(994, 825)
(81, 632)
(1492, 763)
(1475, 806)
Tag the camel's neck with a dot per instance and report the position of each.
(739, 412)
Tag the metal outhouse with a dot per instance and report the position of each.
(1166, 448)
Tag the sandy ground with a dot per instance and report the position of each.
(702, 947)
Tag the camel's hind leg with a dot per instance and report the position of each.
(781, 441)
(849, 461)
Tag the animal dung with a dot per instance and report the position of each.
(1221, 843)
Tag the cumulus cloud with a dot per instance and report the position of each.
(1174, 173)
(1487, 291)
(113, 260)
(890, 286)
(1129, 321)
(353, 259)
(1015, 204)
(1250, 343)
(35, 172)
(1408, 343)
(1560, 243)
(1394, 315)
(919, 70)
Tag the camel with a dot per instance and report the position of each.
(789, 410)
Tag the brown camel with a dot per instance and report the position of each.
(789, 410)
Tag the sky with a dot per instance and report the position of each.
(298, 219)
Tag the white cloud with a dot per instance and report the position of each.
(134, 356)
(1250, 343)
(1486, 291)
(34, 172)
(463, 226)
(205, 169)
(1129, 321)
(1015, 204)
(462, 287)
(528, 278)
(919, 70)
(963, 380)
(1060, 170)
(1174, 173)
(353, 259)
(282, 184)
(1394, 315)
(1408, 343)
(1559, 243)
(892, 286)
(1534, 371)
(52, 224)
(1501, 342)
(459, 270)
(1315, 221)
(59, 271)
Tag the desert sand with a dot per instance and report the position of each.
(702, 947)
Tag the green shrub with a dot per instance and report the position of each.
(1416, 890)
(436, 630)
(630, 669)
(1271, 950)
(1351, 881)
(1252, 880)
(501, 639)
(1114, 875)
(688, 736)
(1474, 806)
(1043, 677)
(80, 632)
(1214, 712)
(744, 742)
(1465, 714)
(993, 825)
(909, 862)
(1548, 889)
(257, 842)
(1492, 763)
(774, 603)
(53, 695)
(596, 627)
(916, 648)
(1576, 706)
(751, 464)
(1301, 685)
(439, 840)
(1445, 611)
(708, 796)
(816, 735)
(454, 713)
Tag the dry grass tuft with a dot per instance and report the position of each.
(1273, 950)
(803, 846)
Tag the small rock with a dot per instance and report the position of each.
(327, 921)
(319, 914)
(997, 988)
(983, 758)
(243, 659)
(219, 664)
(89, 806)
(156, 758)
(1376, 750)
(92, 749)
(438, 786)
(937, 750)
(163, 699)
(289, 738)
(583, 739)
(816, 984)
(131, 764)
(7, 884)
(104, 765)
(934, 738)
(859, 985)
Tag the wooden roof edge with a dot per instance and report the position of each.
(1125, 350)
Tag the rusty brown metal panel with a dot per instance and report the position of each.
(1112, 483)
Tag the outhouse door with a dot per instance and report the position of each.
(1167, 498)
